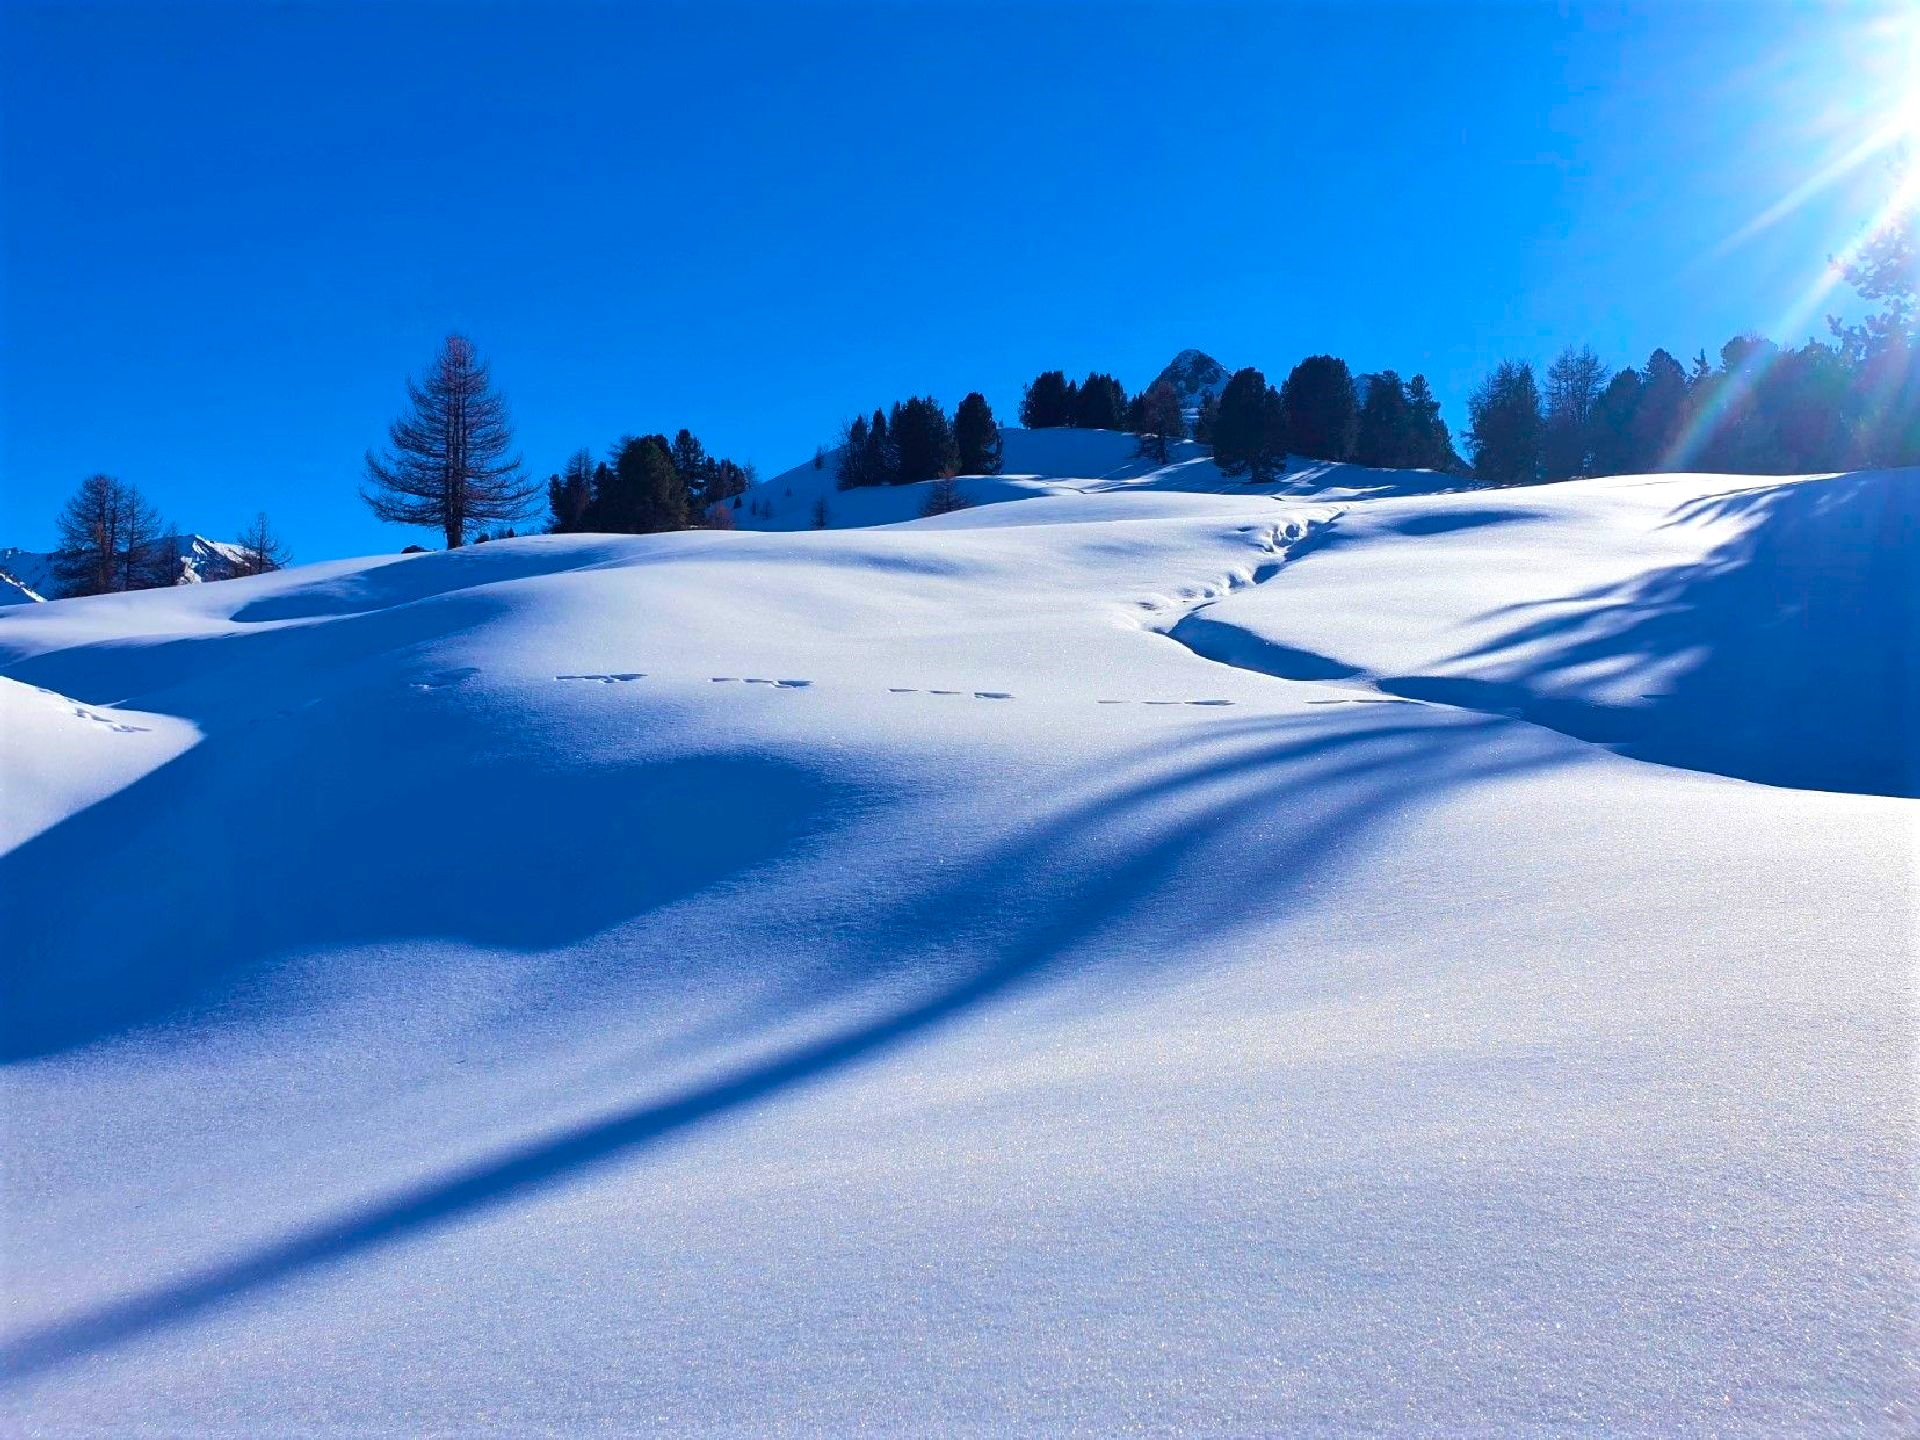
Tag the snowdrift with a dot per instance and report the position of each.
(894, 979)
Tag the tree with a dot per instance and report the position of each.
(820, 516)
(449, 466)
(261, 550)
(1205, 417)
(696, 470)
(1383, 435)
(976, 436)
(1660, 411)
(1320, 415)
(110, 539)
(1249, 433)
(1613, 449)
(1430, 445)
(1101, 404)
(1574, 383)
(642, 493)
(1506, 426)
(1162, 421)
(1050, 402)
(922, 440)
(569, 493)
(944, 497)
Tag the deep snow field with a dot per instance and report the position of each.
(1152, 956)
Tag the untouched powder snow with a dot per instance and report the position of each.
(891, 979)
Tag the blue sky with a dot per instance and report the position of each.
(231, 230)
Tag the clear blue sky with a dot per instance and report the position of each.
(231, 230)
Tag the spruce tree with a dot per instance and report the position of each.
(848, 470)
(1383, 436)
(1613, 448)
(1243, 423)
(1430, 443)
(1321, 418)
(1049, 402)
(448, 465)
(923, 441)
(1101, 403)
(695, 468)
(642, 493)
(569, 493)
(1506, 426)
(976, 437)
(1661, 411)
(1161, 421)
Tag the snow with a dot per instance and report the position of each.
(886, 979)
(28, 575)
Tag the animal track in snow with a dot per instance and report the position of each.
(1164, 702)
(441, 679)
(83, 713)
(607, 679)
(757, 680)
(977, 694)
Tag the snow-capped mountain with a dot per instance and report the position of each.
(1194, 375)
(27, 576)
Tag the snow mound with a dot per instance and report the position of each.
(892, 980)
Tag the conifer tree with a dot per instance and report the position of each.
(1249, 432)
(695, 467)
(976, 437)
(1320, 412)
(1574, 384)
(1101, 403)
(1660, 411)
(642, 493)
(109, 539)
(1161, 421)
(1205, 417)
(1506, 426)
(261, 550)
(569, 493)
(448, 465)
(922, 441)
(1049, 402)
(1614, 451)
(1430, 443)
(1384, 435)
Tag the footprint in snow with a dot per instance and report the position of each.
(757, 680)
(607, 679)
(441, 679)
(1210, 703)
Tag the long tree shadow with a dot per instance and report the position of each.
(1185, 842)
(1787, 655)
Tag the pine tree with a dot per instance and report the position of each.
(110, 539)
(1506, 426)
(261, 550)
(569, 493)
(449, 467)
(1205, 417)
(1049, 402)
(695, 468)
(944, 497)
(1240, 438)
(642, 493)
(1613, 450)
(1101, 404)
(1161, 421)
(1430, 443)
(1661, 410)
(1383, 437)
(976, 437)
(1574, 383)
(922, 440)
(853, 453)
(1320, 413)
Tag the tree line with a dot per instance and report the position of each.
(109, 539)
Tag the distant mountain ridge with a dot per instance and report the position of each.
(28, 576)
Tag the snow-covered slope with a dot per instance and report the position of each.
(194, 559)
(1055, 462)
(886, 979)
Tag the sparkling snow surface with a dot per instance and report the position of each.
(891, 980)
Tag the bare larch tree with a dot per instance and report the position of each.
(448, 465)
(261, 549)
(111, 539)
